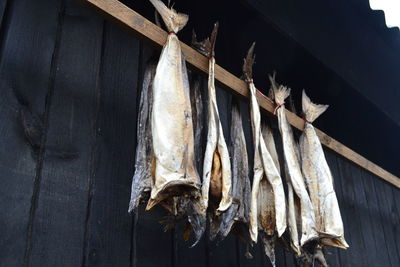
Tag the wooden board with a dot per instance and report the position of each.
(28, 42)
(59, 224)
(155, 36)
(109, 225)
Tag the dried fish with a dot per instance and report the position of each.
(319, 179)
(268, 207)
(216, 188)
(183, 208)
(236, 216)
(142, 181)
(172, 127)
(308, 230)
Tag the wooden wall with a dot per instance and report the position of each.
(70, 84)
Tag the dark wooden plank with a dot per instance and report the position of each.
(353, 232)
(370, 219)
(28, 40)
(385, 207)
(59, 223)
(109, 230)
(396, 216)
(154, 247)
(373, 209)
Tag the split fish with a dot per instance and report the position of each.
(236, 217)
(216, 188)
(268, 205)
(319, 179)
(307, 218)
(175, 173)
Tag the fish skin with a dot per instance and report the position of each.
(216, 183)
(142, 181)
(216, 152)
(319, 179)
(238, 213)
(266, 174)
(172, 127)
(308, 228)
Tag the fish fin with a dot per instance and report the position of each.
(280, 92)
(248, 62)
(311, 110)
(173, 20)
(206, 47)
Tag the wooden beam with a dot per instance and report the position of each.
(150, 33)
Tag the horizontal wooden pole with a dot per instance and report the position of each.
(150, 33)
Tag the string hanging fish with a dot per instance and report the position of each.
(172, 127)
(268, 205)
(300, 198)
(319, 179)
(216, 187)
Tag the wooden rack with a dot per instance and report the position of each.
(150, 33)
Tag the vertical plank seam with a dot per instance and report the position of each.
(135, 217)
(94, 151)
(379, 223)
(42, 149)
(4, 26)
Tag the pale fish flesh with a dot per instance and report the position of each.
(319, 179)
(216, 187)
(172, 127)
(268, 207)
(308, 229)
(182, 208)
(142, 181)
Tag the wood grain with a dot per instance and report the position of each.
(155, 36)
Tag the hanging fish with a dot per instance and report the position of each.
(268, 207)
(182, 208)
(172, 127)
(142, 179)
(319, 179)
(307, 226)
(236, 216)
(216, 188)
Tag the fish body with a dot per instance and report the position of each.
(268, 205)
(308, 228)
(172, 126)
(319, 179)
(217, 166)
(142, 178)
(238, 212)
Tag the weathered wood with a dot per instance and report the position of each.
(150, 33)
(109, 226)
(354, 232)
(370, 220)
(386, 207)
(28, 41)
(59, 224)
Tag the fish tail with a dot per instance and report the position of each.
(248, 62)
(311, 110)
(280, 92)
(173, 20)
